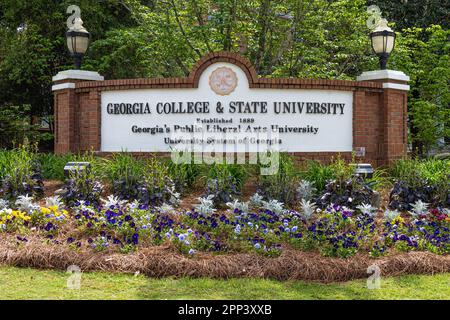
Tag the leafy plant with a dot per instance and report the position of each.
(184, 175)
(308, 209)
(349, 193)
(237, 206)
(282, 185)
(20, 173)
(318, 174)
(206, 206)
(82, 186)
(156, 186)
(225, 182)
(52, 165)
(124, 173)
(306, 190)
(427, 181)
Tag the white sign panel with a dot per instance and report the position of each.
(224, 115)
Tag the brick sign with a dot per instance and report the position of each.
(223, 105)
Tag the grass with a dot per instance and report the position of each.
(19, 283)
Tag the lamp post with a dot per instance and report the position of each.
(383, 42)
(77, 41)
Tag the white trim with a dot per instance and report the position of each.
(78, 75)
(383, 74)
(396, 86)
(63, 86)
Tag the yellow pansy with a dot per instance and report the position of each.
(45, 210)
(398, 220)
(53, 208)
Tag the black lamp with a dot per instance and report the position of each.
(383, 42)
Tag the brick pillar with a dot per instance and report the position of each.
(393, 112)
(66, 108)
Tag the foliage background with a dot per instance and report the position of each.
(164, 38)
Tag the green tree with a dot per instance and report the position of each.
(428, 65)
(415, 13)
(33, 45)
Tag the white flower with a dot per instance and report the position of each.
(25, 203)
(307, 208)
(391, 214)
(113, 201)
(419, 208)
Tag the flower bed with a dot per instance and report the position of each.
(327, 217)
(258, 226)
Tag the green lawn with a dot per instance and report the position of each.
(18, 283)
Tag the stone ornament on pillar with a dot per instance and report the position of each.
(77, 37)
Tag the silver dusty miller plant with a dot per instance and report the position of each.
(367, 209)
(391, 214)
(241, 206)
(419, 208)
(307, 209)
(3, 204)
(25, 203)
(165, 208)
(113, 201)
(306, 190)
(256, 200)
(206, 206)
(274, 206)
(54, 201)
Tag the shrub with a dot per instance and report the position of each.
(53, 165)
(82, 186)
(225, 181)
(156, 186)
(184, 175)
(124, 173)
(20, 173)
(281, 186)
(349, 193)
(16, 127)
(427, 181)
(318, 174)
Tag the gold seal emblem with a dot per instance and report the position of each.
(223, 81)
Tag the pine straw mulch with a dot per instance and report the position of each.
(164, 261)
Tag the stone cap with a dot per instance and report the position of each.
(66, 79)
(392, 79)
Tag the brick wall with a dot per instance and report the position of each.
(379, 115)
